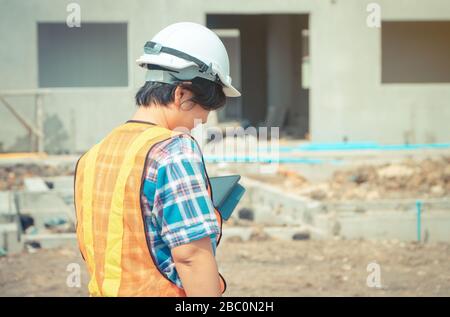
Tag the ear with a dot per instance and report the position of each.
(178, 96)
(182, 97)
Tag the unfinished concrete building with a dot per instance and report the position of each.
(321, 70)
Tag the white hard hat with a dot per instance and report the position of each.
(185, 50)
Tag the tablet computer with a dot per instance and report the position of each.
(226, 193)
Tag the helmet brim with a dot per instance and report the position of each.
(230, 91)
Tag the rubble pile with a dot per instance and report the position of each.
(429, 178)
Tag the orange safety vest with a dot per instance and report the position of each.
(110, 227)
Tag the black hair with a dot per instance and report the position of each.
(207, 94)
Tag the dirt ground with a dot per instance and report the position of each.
(269, 268)
(283, 268)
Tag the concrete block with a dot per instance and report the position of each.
(273, 206)
(9, 239)
(35, 184)
(242, 232)
(63, 186)
(44, 207)
(282, 233)
(8, 212)
(52, 240)
(401, 225)
(60, 182)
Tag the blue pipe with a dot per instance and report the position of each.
(355, 146)
(419, 219)
(255, 159)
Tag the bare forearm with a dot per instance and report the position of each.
(200, 276)
(197, 268)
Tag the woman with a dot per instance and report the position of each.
(146, 223)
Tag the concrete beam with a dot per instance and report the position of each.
(44, 207)
(52, 240)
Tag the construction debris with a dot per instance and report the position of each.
(429, 178)
(12, 176)
(301, 236)
(258, 234)
(246, 213)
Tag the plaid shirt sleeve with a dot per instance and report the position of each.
(183, 207)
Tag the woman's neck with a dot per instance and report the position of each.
(153, 114)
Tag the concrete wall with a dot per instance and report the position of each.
(86, 114)
(347, 98)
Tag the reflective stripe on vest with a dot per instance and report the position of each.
(111, 229)
(87, 216)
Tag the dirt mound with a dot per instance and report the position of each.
(428, 178)
(425, 179)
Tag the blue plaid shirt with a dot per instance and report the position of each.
(176, 205)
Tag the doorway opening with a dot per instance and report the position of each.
(269, 64)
